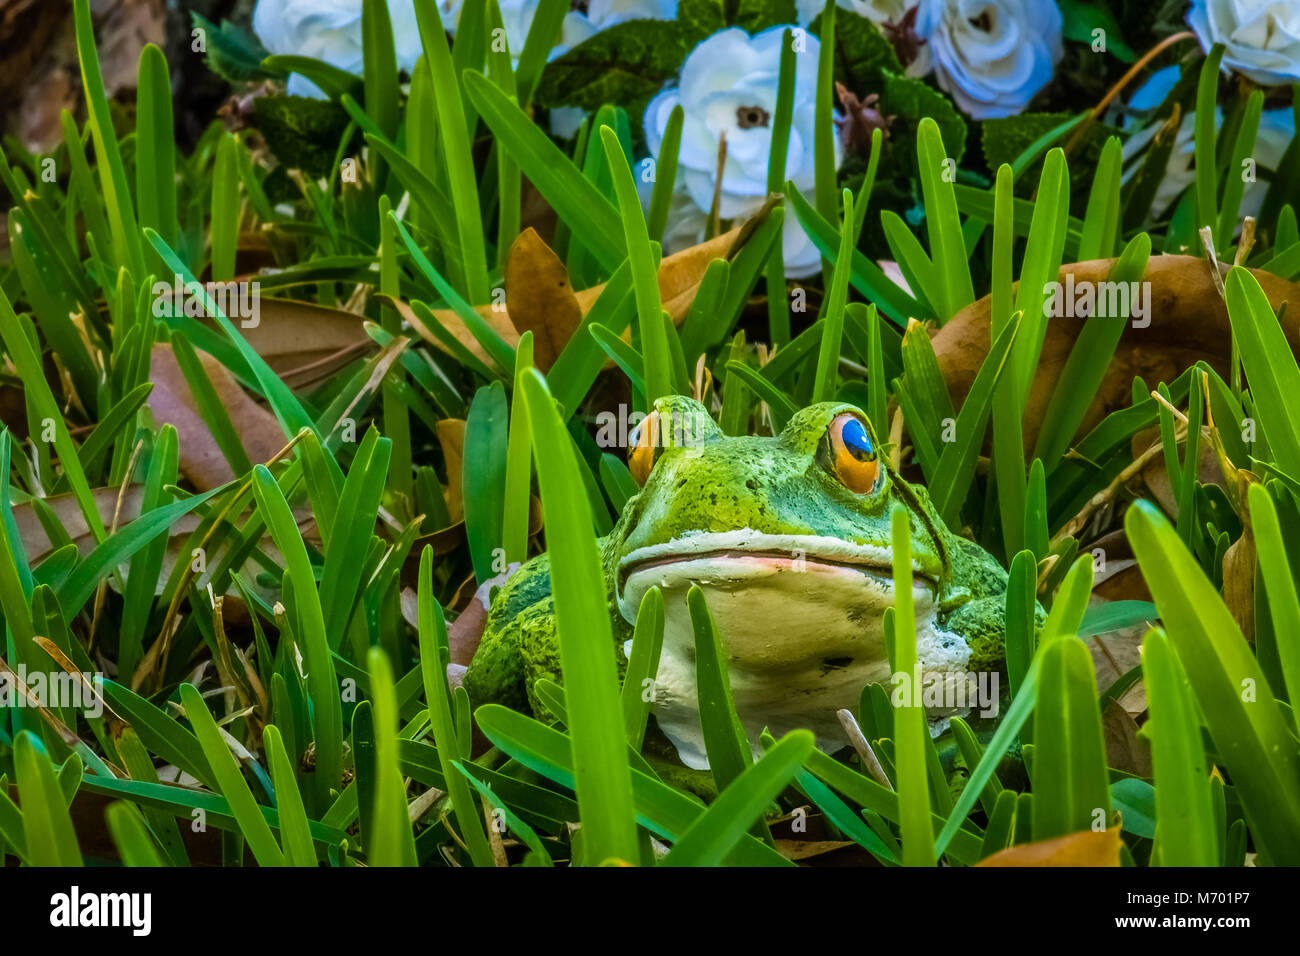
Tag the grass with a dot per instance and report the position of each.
(281, 634)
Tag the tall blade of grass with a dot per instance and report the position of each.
(358, 505)
(1250, 734)
(910, 727)
(1089, 358)
(397, 423)
(710, 838)
(391, 841)
(543, 32)
(602, 784)
(1020, 619)
(224, 227)
(1279, 585)
(661, 809)
(943, 224)
(778, 309)
(1101, 217)
(1008, 434)
(44, 410)
(434, 657)
(484, 334)
(47, 826)
(643, 666)
(828, 358)
(519, 463)
(230, 781)
(1206, 188)
(661, 196)
(484, 470)
(1041, 265)
(645, 281)
(155, 149)
(454, 139)
(956, 467)
(1186, 831)
(867, 277)
(1234, 183)
(292, 417)
(131, 836)
(576, 201)
(295, 833)
(1071, 790)
(379, 71)
(127, 248)
(327, 715)
(1022, 705)
(724, 738)
(824, 124)
(1270, 366)
(527, 835)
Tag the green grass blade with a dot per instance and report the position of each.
(602, 784)
(295, 833)
(1250, 734)
(230, 781)
(710, 838)
(1186, 831)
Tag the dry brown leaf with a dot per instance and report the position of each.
(539, 297)
(1086, 848)
(172, 402)
(1125, 750)
(1189, 323)
(304, 342)
(451, 437)
(679, 278)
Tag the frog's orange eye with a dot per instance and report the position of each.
(853, 454)
(644, 442)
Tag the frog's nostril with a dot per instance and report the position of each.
(751, 484)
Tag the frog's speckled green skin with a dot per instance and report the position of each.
(778, 485)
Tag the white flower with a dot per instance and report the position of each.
(330, 30)
(991, 55)
(877, 11)
(728, 88)
(1261, 37)
(1276, 129)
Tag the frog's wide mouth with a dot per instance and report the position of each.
(747, 555)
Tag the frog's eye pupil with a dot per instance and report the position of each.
(856, 440)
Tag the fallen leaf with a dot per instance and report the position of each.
(1189, 323)
(1085, 848)
(539, 297)
(1124, 749)
(451, 436)
(172, 403)
(679, 279)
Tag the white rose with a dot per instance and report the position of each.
(991, 55)
(1261, 38)
(728, 87)
(330, 30)
(877, 11)
(1276, 129)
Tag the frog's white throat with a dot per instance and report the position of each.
(800, 619)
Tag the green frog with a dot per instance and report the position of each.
(789, 538)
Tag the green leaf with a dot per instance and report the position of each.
(586, 641)
(1250, 734)
(50, 838)
(712, 836)
(1186, 831)
(230, 781)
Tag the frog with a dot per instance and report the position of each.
(788, 537)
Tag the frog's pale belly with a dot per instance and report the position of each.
(802, 635)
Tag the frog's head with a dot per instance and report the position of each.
(802, 518)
